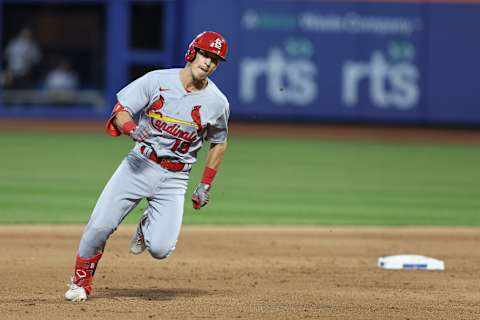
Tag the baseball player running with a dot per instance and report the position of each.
(178, 108)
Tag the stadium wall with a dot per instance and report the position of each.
(406, 62)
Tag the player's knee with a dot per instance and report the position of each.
(160, 252)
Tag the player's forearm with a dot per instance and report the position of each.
(215, 155)
(214, 159)
(125, 123)
(121, 119)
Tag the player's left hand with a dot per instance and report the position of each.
(200, 195)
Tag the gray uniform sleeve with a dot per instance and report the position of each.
(217, 132)
(137, 95)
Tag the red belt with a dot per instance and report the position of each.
(164, 162)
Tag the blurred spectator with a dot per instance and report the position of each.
(22, 54)
(61, 84)
(62, 77)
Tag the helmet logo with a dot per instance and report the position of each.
(217, 44)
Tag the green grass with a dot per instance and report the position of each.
(57, 177)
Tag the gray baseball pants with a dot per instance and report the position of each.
(137, 178)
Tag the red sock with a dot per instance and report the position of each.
(84, 271)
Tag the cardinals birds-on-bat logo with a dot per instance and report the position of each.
(154, 113)
(196, 117)
(157, 106)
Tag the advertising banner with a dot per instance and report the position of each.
(341, 61)
(452, 86)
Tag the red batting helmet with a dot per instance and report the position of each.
(209, 41)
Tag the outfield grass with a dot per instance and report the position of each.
(56, 178)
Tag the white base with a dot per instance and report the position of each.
(410, 261)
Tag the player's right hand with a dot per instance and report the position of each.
(141, 132)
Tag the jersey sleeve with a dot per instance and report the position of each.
(137, 95)
(217, 131)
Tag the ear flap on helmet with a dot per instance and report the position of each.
(191, 53)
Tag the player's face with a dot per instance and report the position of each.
(204, 64)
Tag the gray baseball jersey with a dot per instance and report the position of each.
(180, 120)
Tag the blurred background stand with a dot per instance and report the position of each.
(54, 97)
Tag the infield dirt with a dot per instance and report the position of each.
(245, 272)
